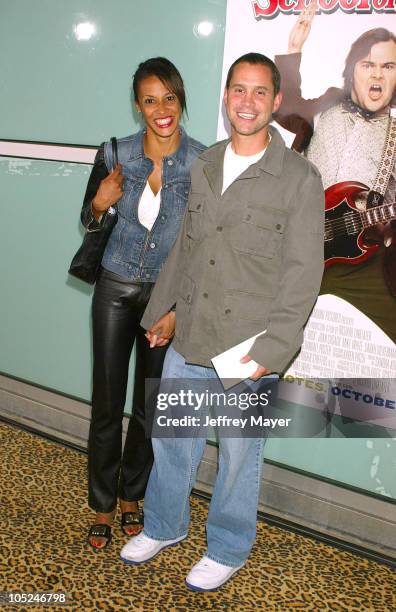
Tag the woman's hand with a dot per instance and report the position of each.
(109, 192)
(162, 331)
(299, 32)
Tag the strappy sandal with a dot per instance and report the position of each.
(99, 531)
(132, 518)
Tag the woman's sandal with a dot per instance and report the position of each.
(129, 519)
(99, 530)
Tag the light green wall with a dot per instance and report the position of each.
(45, 335)
(59, 90)
(369, 464)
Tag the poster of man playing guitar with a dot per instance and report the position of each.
(338, 69)
(350, 134)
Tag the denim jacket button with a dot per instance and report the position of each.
(170, 162)
(152, 245)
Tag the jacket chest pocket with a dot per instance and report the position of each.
(131, 194)
(260, 232)
(195, 208)
(180, 192)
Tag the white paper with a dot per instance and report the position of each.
(228, 366)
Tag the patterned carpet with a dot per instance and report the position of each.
(44, 519)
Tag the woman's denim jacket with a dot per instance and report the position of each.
(133, 251)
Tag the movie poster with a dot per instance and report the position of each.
(337, 111)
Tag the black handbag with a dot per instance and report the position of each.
(86, 262)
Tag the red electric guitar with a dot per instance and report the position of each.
(345, 224)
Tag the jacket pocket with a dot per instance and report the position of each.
(247, 305)
(181, 190)
(183, 304)
(195, 209)
(260, 232)
(245, 314)
(187, 289)
(126, 204)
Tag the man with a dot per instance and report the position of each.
(347, 145)
(249, 257)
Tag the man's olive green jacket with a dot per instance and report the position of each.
(245, 261)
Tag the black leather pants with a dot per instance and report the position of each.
(117, 308)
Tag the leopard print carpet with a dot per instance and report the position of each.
(45, 518)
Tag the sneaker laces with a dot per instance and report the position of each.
(141, 538)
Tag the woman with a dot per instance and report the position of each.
(150, 186)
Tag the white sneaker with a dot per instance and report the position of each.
(141, 548)
(208, 575)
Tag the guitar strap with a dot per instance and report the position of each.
(377, 193)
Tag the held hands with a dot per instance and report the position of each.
(301, 29)
(162, 331)
(260, 371)
(109, 192)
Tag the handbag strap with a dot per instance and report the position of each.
(114, 149)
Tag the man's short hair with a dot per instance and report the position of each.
(359, 49)
(257, 58)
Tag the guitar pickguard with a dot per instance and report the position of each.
(346, 245)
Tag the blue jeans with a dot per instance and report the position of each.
(231, 523)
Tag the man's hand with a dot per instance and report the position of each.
(162, 331)
(299, 32)
(381, 232)
(260, 371)
(109, 192)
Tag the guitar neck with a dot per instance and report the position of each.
(378, 214)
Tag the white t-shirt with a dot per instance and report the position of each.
(235, 164)
(149, 206)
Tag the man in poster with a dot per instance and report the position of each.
(350, 131)
(245, 260)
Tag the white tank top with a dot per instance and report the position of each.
(149, 206)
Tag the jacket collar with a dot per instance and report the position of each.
(179, 156)
(271, 162)
(137, 146)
